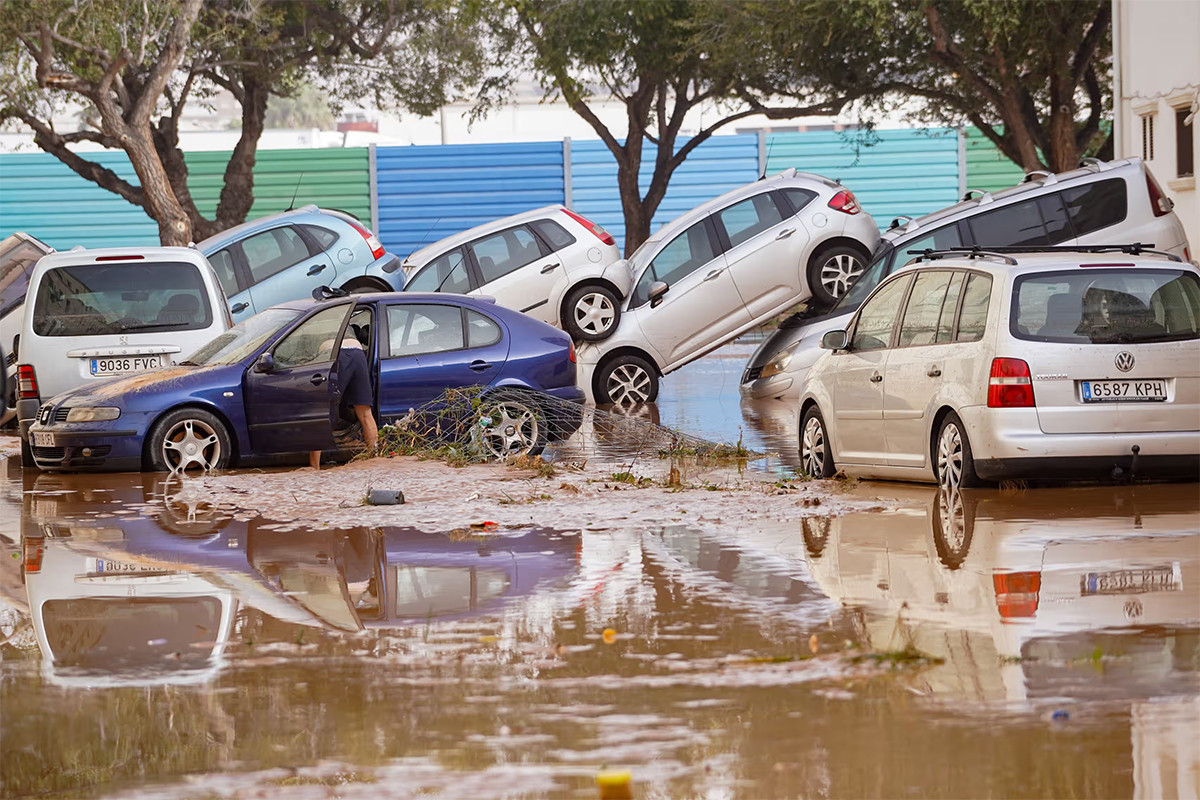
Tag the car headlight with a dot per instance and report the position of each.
(779, 362)
(97, 414)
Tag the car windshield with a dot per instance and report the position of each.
(91, 299)
(243, 339)
(1107, 306)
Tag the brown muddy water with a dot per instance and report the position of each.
(1043, 643)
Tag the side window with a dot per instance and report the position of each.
(973, 318)
(14, 279)
(414, 329)
(745, 220)
(945, 331)
(222, 262)
(555, 235)
(481, 331)
(682, 256)
(1018, 224)
(273, 251)
(799, 198)
(1058, 230)
(312, 342)
(941, 239)
(325, 237)
(504, 252)
(1096, 205)
(877, 317)
(920, 322)
(446, 273)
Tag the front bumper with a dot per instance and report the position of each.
(767, 388)
(86, 450)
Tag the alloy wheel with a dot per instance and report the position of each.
(950, 458)
(191, 442)
(812, 447)
(629, 384)
(839, 273)
(508, 429)
(594, 313)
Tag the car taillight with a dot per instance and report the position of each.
(377, 250)
(845, 202)
(571, 351)
(1010, 385)
(1017, 594)
(120, 258)
(27, 387)
(1160, 204)
(596, 230)
(32, 555)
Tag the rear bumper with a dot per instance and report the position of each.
(1090, 468)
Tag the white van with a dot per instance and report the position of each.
(93, 314)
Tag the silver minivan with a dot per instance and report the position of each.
(1112, 202)
(93, 314)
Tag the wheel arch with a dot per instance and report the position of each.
(201, 406)
(936, 426)
(839, 241)
(366, 281)
(617, 352)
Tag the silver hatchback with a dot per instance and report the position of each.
(984, 366)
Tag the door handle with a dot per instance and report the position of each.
(933, 371)
(785, 233)
(549, 268)
(315, 268)
(239, 308)
(479, 366)
(317, 380)
(715, 273)
(876, 378)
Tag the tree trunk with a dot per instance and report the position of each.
(237, 195)
(174, 227)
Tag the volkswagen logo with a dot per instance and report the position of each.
(1124, 361)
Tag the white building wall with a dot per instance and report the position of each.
(1156, 50)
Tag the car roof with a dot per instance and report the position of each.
(219, 240)
(420, 256)
(78, 256)
(306, 303)
(1032, 183)
(1014, 263)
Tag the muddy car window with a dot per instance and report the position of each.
(415, 329)
(481, 331)
(945, 331)
(312, 342)
(873, 331)
(919, 325)
(972, 319)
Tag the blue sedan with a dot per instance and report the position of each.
(269, 386)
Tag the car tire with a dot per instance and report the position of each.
(816, 452)
(591, 313)
(953, 526)
(832, 271)
(27, 456)
(186, 438)
(365, 286)
(509, 425)
(955, 466)
(626, 380)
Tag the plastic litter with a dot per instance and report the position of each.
(385, 497)
(615, 785)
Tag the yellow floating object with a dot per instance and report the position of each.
(615, 785)
(610, 636)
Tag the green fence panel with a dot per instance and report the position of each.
(987, 168)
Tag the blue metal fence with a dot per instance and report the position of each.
(426, 193)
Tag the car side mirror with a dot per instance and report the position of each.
(835, 340)
(265, 363)
(657, 290)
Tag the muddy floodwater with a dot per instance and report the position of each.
(1038, 643)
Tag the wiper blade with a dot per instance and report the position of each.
(186, 364)
(145, 325)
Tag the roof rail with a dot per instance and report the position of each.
(968, 195)
(1091, 163)
(1133, 249)
(903, 219)
(1047, 177)
(929, 254)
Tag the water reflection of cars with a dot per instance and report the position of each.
(267, 386)
(1012, 590)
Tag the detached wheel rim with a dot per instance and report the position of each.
(950, 458)
(812, 447)
(191, 442)
(629, 384)
(839, 273)
(594, 313)
(509, 429)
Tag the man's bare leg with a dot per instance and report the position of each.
(367, 420)
(314, 459)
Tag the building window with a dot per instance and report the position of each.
(1184, 145)
(1148, 137)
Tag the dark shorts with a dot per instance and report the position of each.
(352, 377)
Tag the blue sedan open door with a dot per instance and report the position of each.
(289, 390)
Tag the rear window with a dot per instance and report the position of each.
(1096, 206)
(94, 299)
(555, 235)
(1107, 306)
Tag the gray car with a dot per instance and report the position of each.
(283, 257)
(1099, 203)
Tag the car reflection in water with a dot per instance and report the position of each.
(1016, 591)
(148, 584)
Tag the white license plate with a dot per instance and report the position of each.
(125, 365)
(1165, 578)
(42, 439)
(1150, 390)
(102, 565)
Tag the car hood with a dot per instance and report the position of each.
(130, 390)
(815, 327)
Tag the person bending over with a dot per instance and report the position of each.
(355, 383)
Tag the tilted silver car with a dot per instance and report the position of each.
(970, 367)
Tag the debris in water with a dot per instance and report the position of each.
(610, 635)
(385, 497)
(615, 785)
(814, 644)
